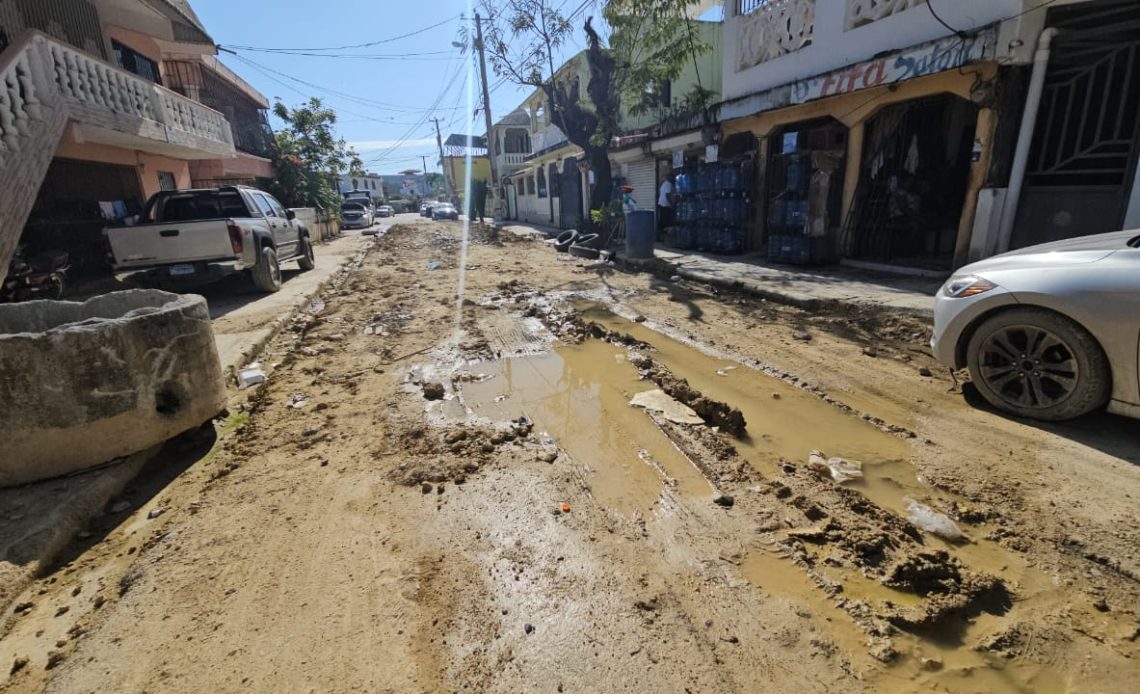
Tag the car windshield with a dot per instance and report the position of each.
(210, 204)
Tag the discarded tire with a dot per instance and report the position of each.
(589, 241)
(84, 383)
(565, 240)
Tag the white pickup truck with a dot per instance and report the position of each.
(189, 237)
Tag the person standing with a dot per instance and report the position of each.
(665, 200)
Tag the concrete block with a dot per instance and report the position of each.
(84, 383)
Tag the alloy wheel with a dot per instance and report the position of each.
(1030, 367)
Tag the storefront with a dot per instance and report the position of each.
(880, 171)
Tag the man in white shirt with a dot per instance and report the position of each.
(665, 211)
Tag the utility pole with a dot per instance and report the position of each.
(442, 163)
(495, 213)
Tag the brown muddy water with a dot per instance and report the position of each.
(580, 396)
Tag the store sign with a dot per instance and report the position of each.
(931, 58)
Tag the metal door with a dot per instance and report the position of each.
(570, 212)
(1087, 138)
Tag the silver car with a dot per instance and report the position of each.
(1049, 332)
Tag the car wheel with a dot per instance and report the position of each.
(1038, 364)
(308, 259)
(266, 274)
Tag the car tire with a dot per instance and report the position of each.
(308, 259)
(565, 239)
(1038, 364)
(266, 275)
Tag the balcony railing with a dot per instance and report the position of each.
(512, 158)
(770, 29)
(42, 72)
(863, 12)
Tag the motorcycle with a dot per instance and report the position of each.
(41, 276)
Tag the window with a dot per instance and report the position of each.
(355, 184)
(277, 208)
(658, 94)
(554, 181)
(530, 185)
(541, 183)
(135, 62)
(264, 206)
(166, 181)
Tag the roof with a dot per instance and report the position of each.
(187, 26)
(516, 117)
(457, 140)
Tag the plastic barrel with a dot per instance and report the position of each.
(640, 234)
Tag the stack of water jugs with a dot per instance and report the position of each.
(713, 210)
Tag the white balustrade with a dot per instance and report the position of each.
(512, 159)
(862, 12)
(775, 29)
(43, 73)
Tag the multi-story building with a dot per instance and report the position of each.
(923, 134)
(370, 182)
(104, 102)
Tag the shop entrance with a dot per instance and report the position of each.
(912, 183)
(570, 192)
(805, 190)
(1085, 146)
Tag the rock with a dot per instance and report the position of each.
(155, 513)
(456, 436)
(24, 607)
(930, 664)
(639, 319)
(62, 611)
(439, 489)
(870, 352)
(802, 335)
(548, 456)
(775, 396)
(883, 651)
(54, 658)
(120, 506)
(925, 372)
(529, 628)
(18, 664)
(426, 488)
(335, 337)
(99, 601)
(1101, 605)
(433, 391)
(724, 500)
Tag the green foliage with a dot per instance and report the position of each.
(653, 41)
(435, 181)
(310, 158)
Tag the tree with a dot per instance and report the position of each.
(652, 41)
(435, 180)
(310, 158)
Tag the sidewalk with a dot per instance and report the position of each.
(806, 287)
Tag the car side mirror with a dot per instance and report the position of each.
(290, 214)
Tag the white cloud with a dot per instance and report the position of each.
(375, 145)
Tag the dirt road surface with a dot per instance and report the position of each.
(443, 487)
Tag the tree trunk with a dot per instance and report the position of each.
(602, 194)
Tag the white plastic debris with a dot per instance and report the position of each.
(250, 376)
(840, 469)
(674, 411)
(933, 522)
(433, 265)
(317, 305)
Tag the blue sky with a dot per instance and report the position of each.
(382, 99)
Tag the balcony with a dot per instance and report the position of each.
(508, 160)
(110, 105)
(864, 12)
(773, 28)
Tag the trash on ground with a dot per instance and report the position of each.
(250, 376)
(724, 371)
(937, 524)
(298, 400)
(566, 507)
(674, 411)
(433, 265)
(675, 278)
(317, 305)
(802, 335)
(840, 469)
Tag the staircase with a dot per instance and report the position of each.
(45, 84)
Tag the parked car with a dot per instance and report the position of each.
(196, 236)
(1049, 332)
(426, 208)
(354, 215)
(385, 211)
(444, 211)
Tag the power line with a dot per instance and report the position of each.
(359, 45)
(358, 56)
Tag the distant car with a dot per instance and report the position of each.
(444, 211)
(1049, 332)
(385, 211)
(354, 215)
(426, 209)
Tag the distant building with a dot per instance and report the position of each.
(373, 183)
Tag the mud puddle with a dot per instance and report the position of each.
(579, 395)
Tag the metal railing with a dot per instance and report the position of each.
(749, 6)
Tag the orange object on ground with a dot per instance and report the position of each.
(566, 507)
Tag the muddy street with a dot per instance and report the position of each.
(576, 478)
